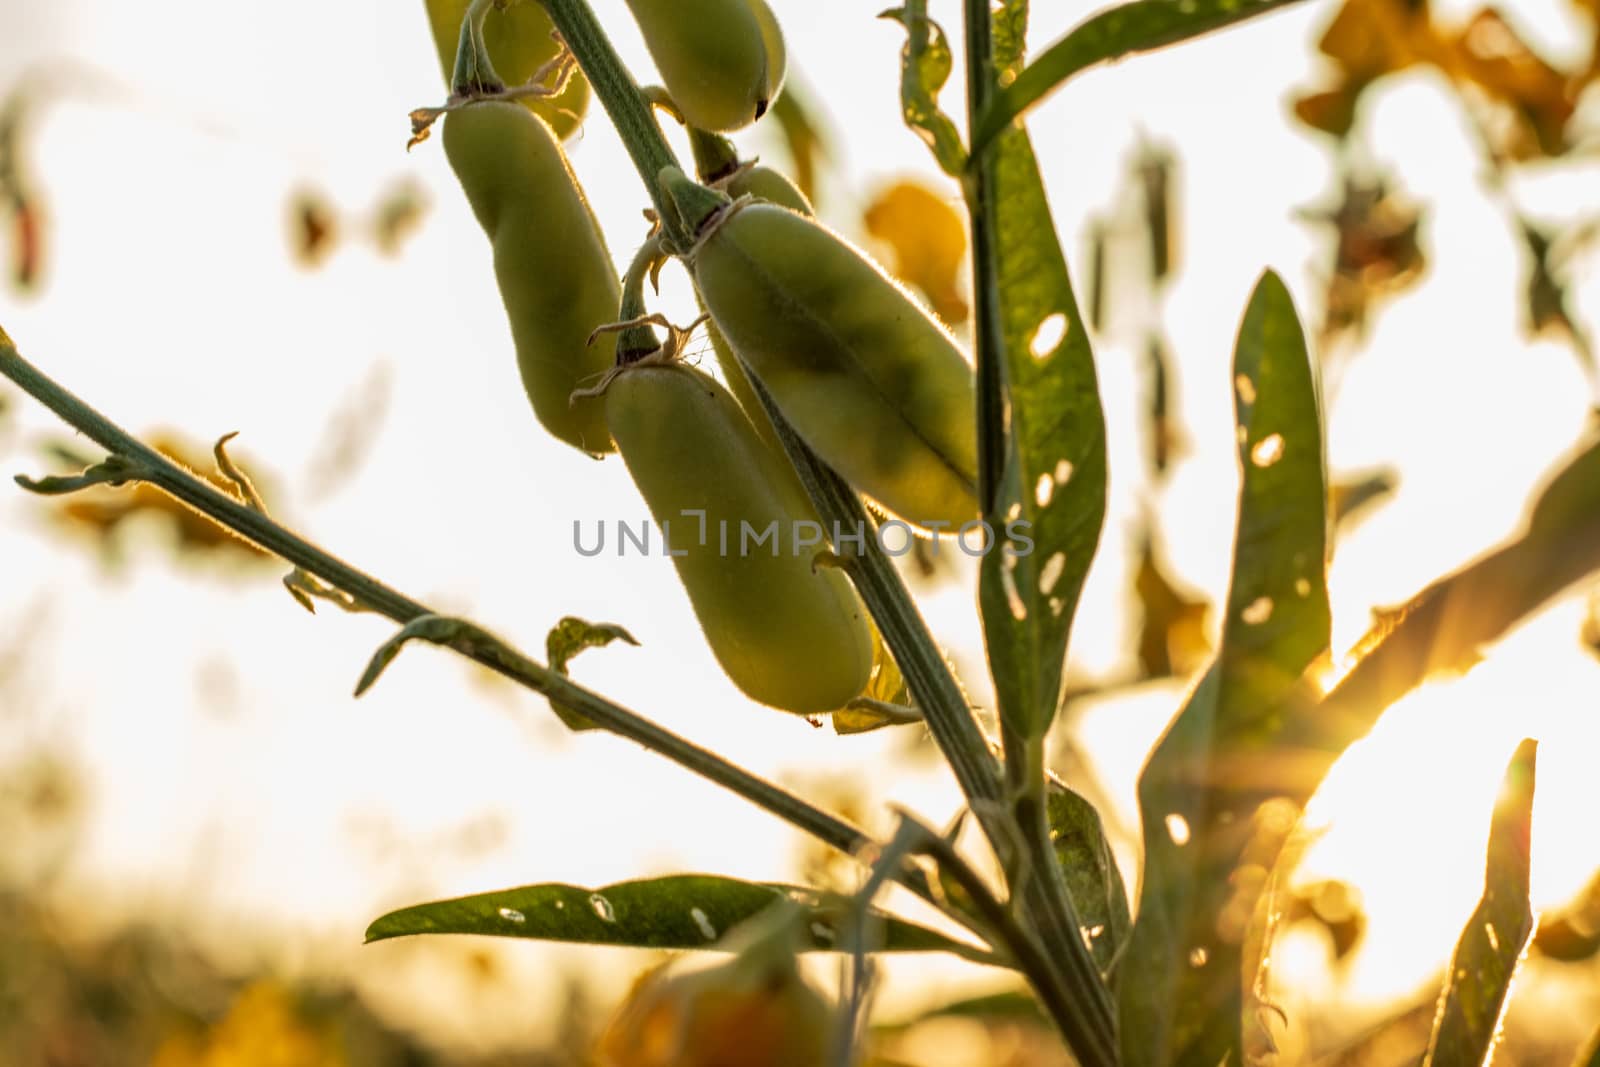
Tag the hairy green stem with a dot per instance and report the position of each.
(1090, 1028)
(988, 332)
(627, 107)
(1076, 999)
(151, 466)
(944, 706)
(948, 715)
(891, 605)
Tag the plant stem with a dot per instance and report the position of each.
(949, 717)
(257, 528)
(944, 706)
(1069, 985)
(1090, 1026)
(624, 103)
(989, 331)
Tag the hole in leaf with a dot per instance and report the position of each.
(1048, 335)
(1268, 450)
(1052, 573)
(1044, 490)
(1246, 389)
(1063, 472)
(1257, 611)
(1008, 578)
(1178, 829)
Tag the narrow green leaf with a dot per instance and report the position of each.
(1137, 27)
(925, 65)
(1050, 504)
(1093, 878)
(1490, 949)
(681, 911)
(1179, 985)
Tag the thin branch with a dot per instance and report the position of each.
(136, 461)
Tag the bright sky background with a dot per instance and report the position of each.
(280, 820)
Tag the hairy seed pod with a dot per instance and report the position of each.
(765, 183)
(762, 183)
(556, 278)
(787, 633)
(871, 381)
(722, 60)
(519, 43)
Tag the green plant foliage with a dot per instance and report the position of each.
(1093, 879)
(1179, 985)
(925, 65)
(1137, 27)
(1054, 458)
(1487, 955)
(681, 911)
(564, 642)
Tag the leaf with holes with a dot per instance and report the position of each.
(1137, 27)
(925, 64)
(681, 911)
(1050, 502)
(1204, 821)
(564, 642)
(1490, 949)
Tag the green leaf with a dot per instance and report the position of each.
(925, 65)
(681, 911)
(1049, 505)
(1490, 948)
(565, 641)
(1093, 878)
(885, 702)
(1137, 27)
(1179, 984)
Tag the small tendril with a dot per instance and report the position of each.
(114, 470)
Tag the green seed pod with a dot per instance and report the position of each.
(787, 634)
(556, 277)
(722, 60)
(519, 44)
(871, 381)
(764, 183)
